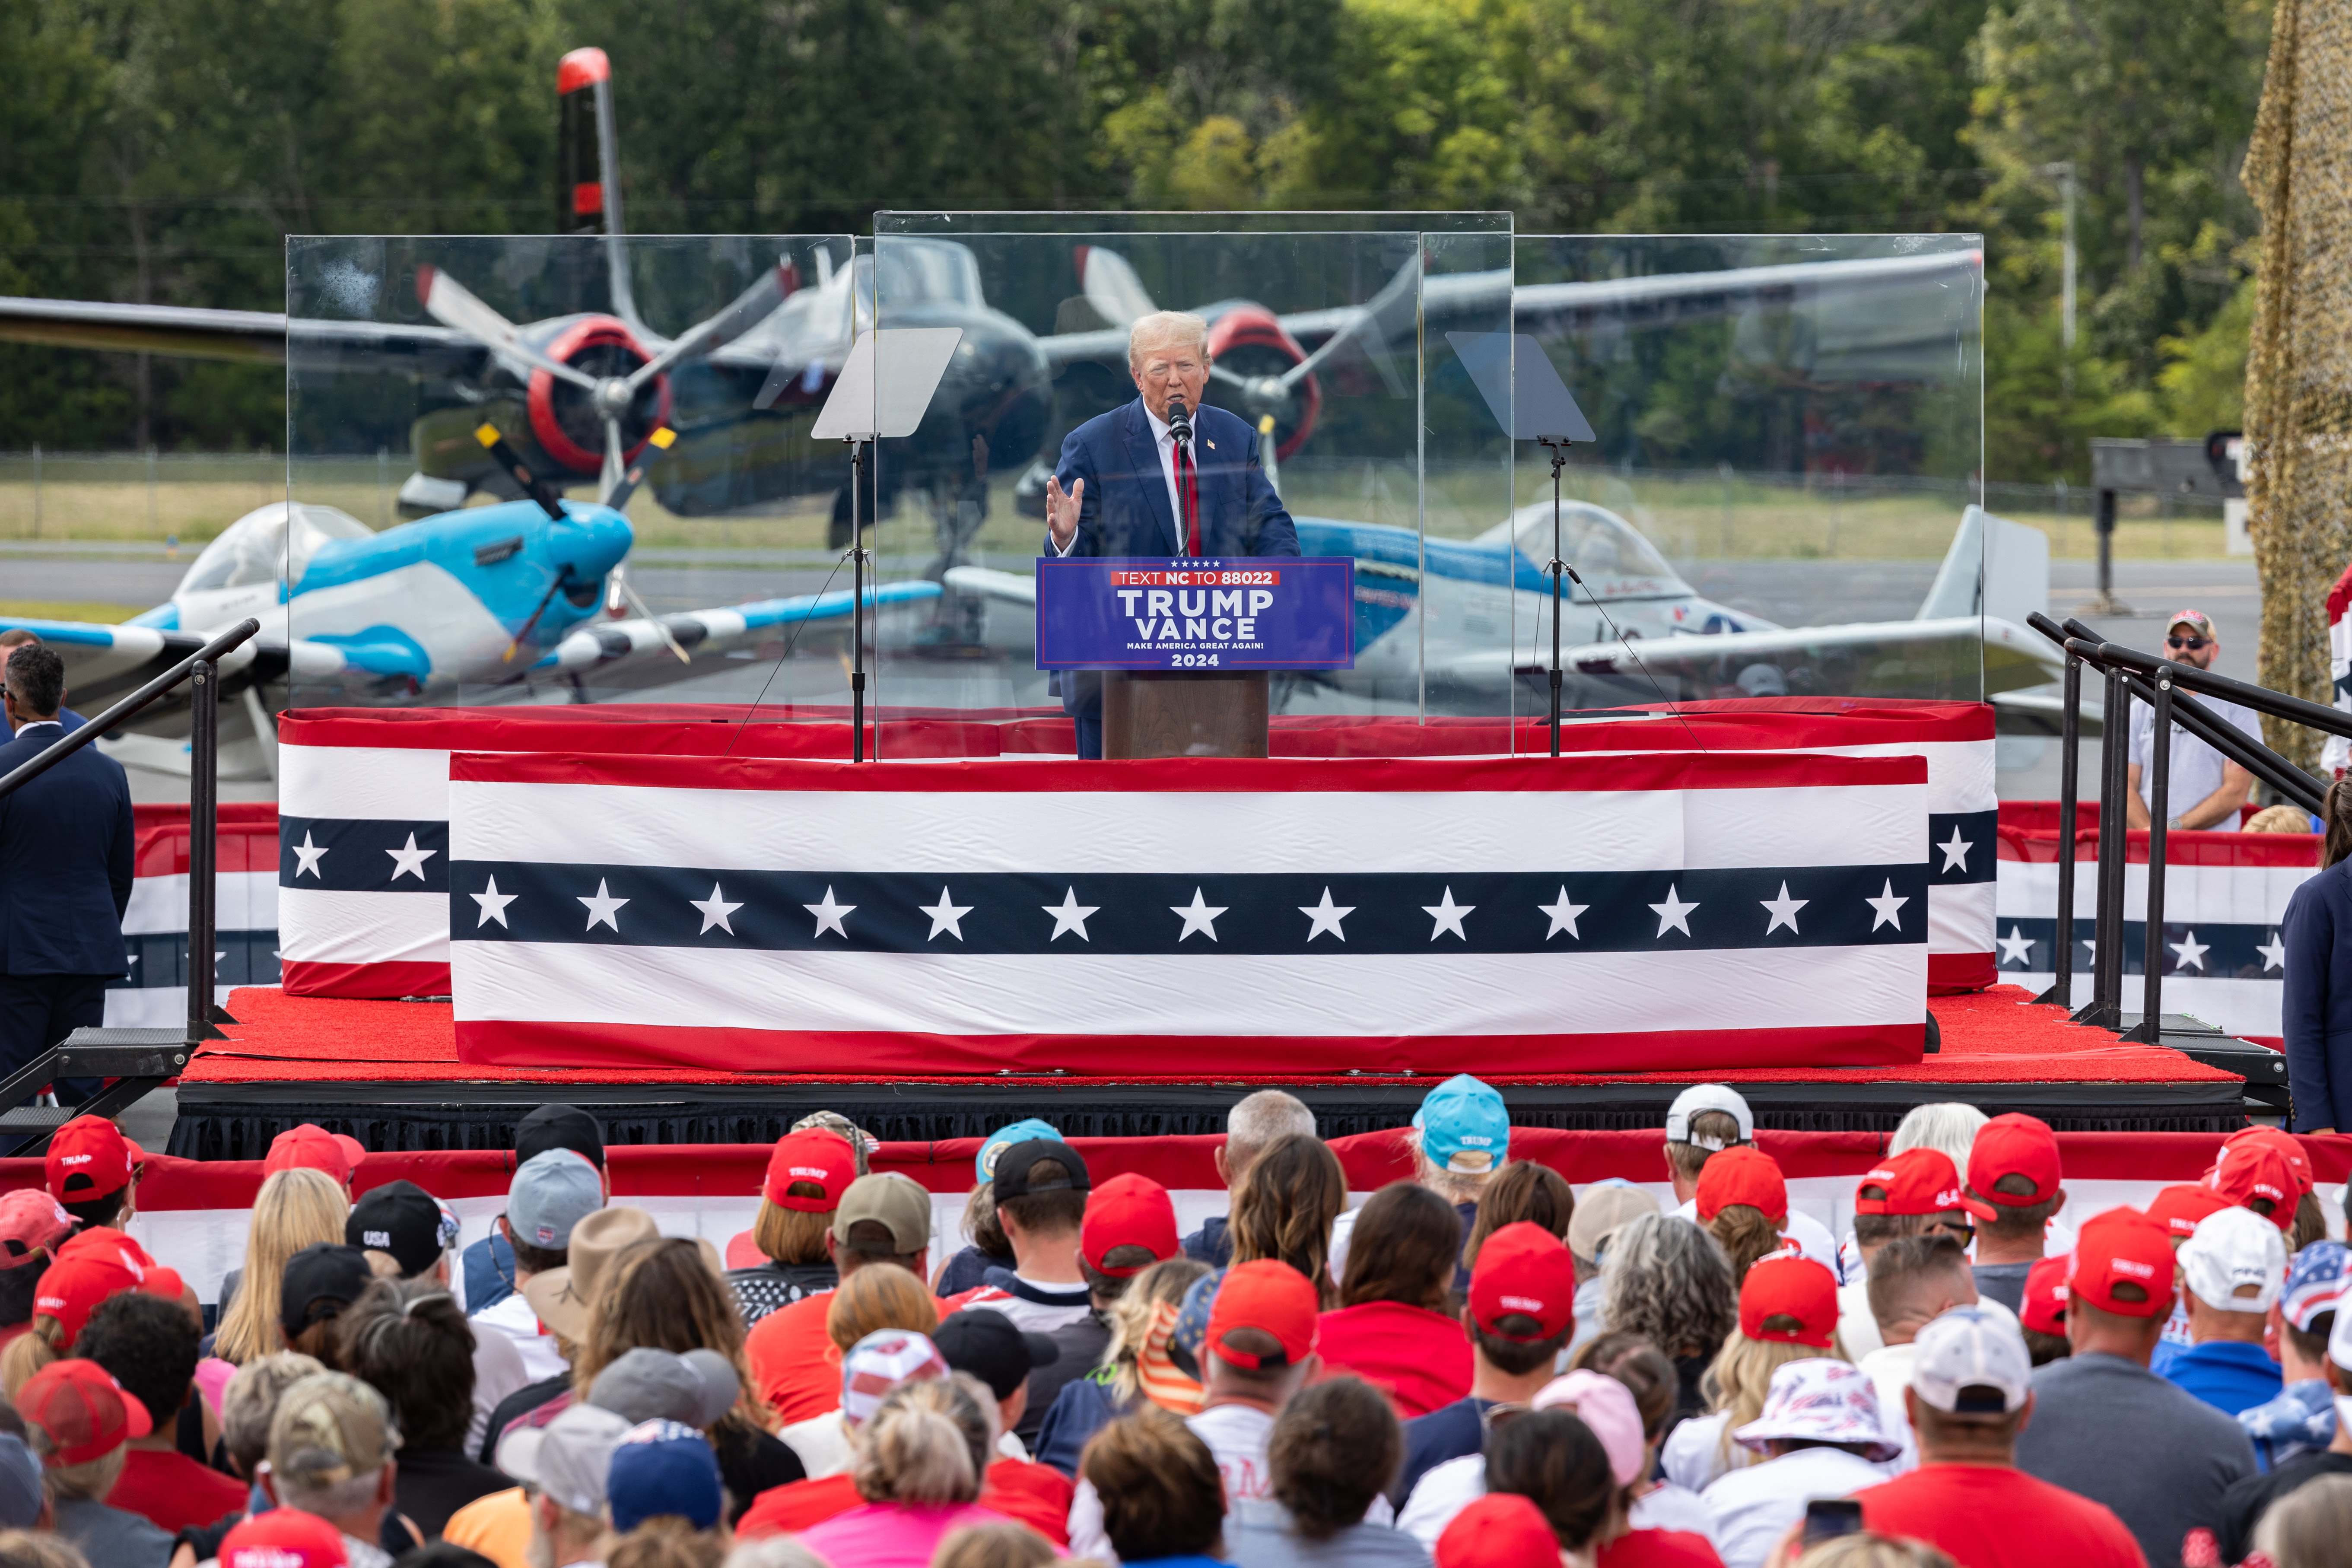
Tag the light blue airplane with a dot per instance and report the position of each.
(521, 591)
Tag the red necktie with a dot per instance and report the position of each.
(1188, 497)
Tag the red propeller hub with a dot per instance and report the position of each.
(1250, 340)
(564, 417)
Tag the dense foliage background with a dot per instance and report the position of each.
(160, 150)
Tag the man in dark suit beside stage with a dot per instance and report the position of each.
(11, 640)
(66, 849)
(1128, 484)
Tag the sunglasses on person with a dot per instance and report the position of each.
(2191, 644)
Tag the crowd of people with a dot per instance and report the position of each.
(1477, 1367)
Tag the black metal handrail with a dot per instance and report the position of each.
(146, 1061)
(2131, 674)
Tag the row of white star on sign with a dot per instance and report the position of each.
(408, 862)
(1200, 916)
(2018, 948)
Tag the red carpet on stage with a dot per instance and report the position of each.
(1992, 1037)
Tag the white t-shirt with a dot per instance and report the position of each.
(2196, 766)
(1696, 1453)
(1443, 1491)
(1669, 1507)
(499, 1371)
(1754, 1507)
(1889, 1366)
(1857, 1330)
(513, 1317)
(1811, 1236)
(1236, 1436)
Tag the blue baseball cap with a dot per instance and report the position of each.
(2317, 1281)
(1186, 1340)
(1004, 1138)
(663, 1467)
(1463, 1127)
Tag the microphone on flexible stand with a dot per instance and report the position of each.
(1179, 422)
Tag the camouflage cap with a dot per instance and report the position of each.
(329, 1427)
(861, 1142)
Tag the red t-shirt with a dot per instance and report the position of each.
(1037, 1495)
(1993, 1516)
(794, 1364)
(1659, 1549)
(173, 1492)
(1422, 1358)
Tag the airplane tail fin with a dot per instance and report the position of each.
(1995, 567)
(588, 166)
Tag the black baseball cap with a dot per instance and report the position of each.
(560, 1127)
(404, 1219)
(983, 1341)
(1012, 1169)
(323, 1271)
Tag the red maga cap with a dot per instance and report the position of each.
(816, 1156)
(2122, 1249)
(1268, 1295)
(2044, 1308)
(2250, 1171)
(1524, 1271)
(85, 1412)
(2179, 1207)
(1742, 1174)
(2010, 1145)
(283, 1538)
(90, 1158)
(2286, 1143)
(1127, 1211)
(582, 68)
(1783, 1286)
(313, 1148)
(1916, 1182)
(1501, 1530)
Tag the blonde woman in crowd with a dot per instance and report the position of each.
(296, 1208)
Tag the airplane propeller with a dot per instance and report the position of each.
(452, 304)
(620, 591)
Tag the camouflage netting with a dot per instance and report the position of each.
(2299, 372)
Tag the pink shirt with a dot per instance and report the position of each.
(892, 1535)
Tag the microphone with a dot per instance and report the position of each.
(1179, 422)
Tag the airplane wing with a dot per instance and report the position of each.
(250, 337)
(611, 645)
(987, 583)
(103, 662)
(1892, 653)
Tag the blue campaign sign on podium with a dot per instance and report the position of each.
(1285, 612)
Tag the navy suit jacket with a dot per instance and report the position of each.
(66, 849)
(66, 716)
(2316, 1010)
(1125, 509)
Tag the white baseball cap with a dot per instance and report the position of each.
(1970, 1348)
(2236, 1261)
(566, 1458)
(1701, 1097)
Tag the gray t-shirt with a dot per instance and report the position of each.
(2117, 1433)
(112, 1536)
(2002, 1282)
(1259, 1534)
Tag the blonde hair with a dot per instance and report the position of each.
(879, 1296)
(666, 1540)
(1165, 328)
(296, 1208)
(928, 1443)
(29, 1352)
(791, 1236)
(88, 1481)
(1164, 1283)
(1872, 1552)
(27, 1548)
(1007, 1545)
(250, 1400)
(1454, 1186)
(1741, 1377)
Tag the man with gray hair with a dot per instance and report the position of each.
(1163, 475)
(1255, 1122)
(330, 1454)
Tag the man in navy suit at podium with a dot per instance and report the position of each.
(1128, 484)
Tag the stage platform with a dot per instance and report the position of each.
(388, 1073)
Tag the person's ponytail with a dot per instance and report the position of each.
(1745, 1234)
(29, 1352)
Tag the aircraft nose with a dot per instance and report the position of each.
(597, 539)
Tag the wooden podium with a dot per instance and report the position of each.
(1183, 714)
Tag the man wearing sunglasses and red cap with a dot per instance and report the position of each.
(2205, 789)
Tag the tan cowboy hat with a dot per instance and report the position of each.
(566, 1297)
